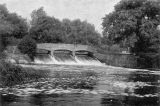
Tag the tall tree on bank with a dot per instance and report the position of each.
(5, 31)
(80, 32)
(36, 14)
(12, 26)
(46, 29)
(18, 24)
(134, 24)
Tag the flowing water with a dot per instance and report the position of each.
(67, 59)
(84, 81)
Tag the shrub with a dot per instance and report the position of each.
(11, 74)
(28, 46)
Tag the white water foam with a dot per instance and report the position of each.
(47, 60)
(83, 61)
(77, 61)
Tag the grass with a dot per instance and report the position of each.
(14, 74)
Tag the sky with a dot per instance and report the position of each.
(91, 11)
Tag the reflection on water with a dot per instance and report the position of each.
(149, 94)
(87, 86)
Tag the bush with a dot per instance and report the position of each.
(28, 46)
(11, 74)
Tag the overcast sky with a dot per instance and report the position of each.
(91, 10)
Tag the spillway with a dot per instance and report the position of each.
(68, 54)
(67, 59)
(45, 59)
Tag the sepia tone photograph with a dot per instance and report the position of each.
(79, 52)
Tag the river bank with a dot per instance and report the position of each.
(11, 74)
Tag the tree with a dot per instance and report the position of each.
(11, 26)
(3, 11)
(28, 46)
(20, 26)
(47, 30)
(133, 24)
(5, 30)
(36, 14)
(80, 32)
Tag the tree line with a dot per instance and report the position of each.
(46, 29)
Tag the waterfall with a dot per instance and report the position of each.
(67, 59)
(87, 60)
(45, 59)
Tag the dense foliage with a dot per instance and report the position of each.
(134, 24)
(80, 32)
(17, 23)
(28, 46)
(11, 26)
(5, 30)
(46, 29)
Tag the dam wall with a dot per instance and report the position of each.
(118, 59)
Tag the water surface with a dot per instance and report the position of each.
(75, 85)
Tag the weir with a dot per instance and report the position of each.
(49, 53)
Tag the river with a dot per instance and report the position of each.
(78, 85)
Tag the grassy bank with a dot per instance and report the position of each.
(14, 74)
(63, 80)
